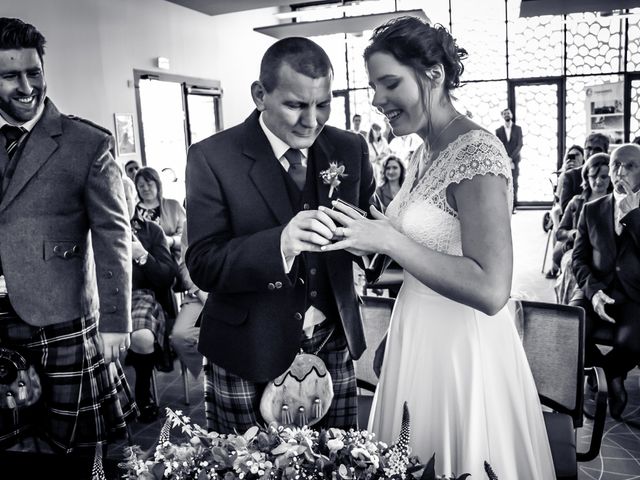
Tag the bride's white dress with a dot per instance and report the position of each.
(464, 374)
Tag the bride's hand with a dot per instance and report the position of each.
(358, 235)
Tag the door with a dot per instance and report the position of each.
(537, 109)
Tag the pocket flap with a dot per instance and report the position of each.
(65, 249)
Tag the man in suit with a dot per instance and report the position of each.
(356, 121)
(510, 135)
(255, 234)
(606, 264)
(65, 251)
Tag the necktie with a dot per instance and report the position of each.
(297, 171)
(12, 137)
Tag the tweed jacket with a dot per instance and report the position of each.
(65, 239)
(237, 208)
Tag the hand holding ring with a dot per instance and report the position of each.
(122, 348)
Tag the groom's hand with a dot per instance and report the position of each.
(306, 232)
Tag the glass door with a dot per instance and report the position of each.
(536, 107)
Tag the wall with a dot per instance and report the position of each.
(94, 45)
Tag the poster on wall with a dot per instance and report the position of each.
(125, 138)
(604, 109)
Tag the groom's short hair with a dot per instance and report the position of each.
(301, 54)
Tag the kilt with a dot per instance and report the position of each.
(146, 312)
(233, 404)
(84, 406)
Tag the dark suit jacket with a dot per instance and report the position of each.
(514, 145)
(569, 185)
(598, 258)
(65, 239)
(237, 207)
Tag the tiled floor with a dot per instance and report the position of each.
(620, 454)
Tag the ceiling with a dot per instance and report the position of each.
(219, 7)
(528, 7)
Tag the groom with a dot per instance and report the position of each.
(255, 231)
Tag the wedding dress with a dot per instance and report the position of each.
(464, 374)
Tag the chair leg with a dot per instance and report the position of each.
(185, 382)
(546, 249)
(154, 387)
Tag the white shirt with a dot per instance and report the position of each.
(312, 316)
(507, 131)
(28, 126)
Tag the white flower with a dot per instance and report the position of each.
(335, 444)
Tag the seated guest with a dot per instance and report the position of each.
(606, 264)
(595, 184)
(166, 212)
(131, 168)
(570, 182)
(185, 333)
(393, 178)
(154, 272)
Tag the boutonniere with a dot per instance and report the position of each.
(332, 175)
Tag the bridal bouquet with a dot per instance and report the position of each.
(278, 453)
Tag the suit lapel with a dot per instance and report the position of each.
(607, 230)
(39, 146)
(321, 155)
(266, 172)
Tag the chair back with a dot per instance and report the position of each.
(553, 340)
(376, 313)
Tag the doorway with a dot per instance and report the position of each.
(537, 108)
(173, 113)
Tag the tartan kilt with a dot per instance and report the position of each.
(233, 404)
(86, 402)
(146, 312)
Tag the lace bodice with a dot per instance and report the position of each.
(423, 212)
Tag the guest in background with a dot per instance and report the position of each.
(393, 178)
(154, 272)
(510, 135)
(65, 257)
(606, 264)
(131, 168)
(573, 162)
(356, 121)
(184, 337)
(570, 182)
(166, 212)
(596, 183)
(378, 150)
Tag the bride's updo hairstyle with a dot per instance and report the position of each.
(416, 44)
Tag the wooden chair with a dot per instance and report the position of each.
(553, 339)
(376, 313)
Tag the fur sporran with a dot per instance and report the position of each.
(20, 391)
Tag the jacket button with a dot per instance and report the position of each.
(108, 274)
(271, 286)
(111, 309)
(57, 249)
(313, 294)
(278, 284)
(75, 249)
(116, 291)
(67, 254)
(617, 269)
(313, 271)
(297, 316)
(306, 206)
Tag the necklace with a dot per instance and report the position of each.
(426, 156)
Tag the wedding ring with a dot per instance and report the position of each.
(122, 348)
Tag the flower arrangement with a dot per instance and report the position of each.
(277, 453)
(332, 175)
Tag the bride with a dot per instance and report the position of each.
(453, 352)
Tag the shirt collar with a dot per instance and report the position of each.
(279, 147)
(28, 126)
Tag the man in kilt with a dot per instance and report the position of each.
(65, 254)
(255, 233)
